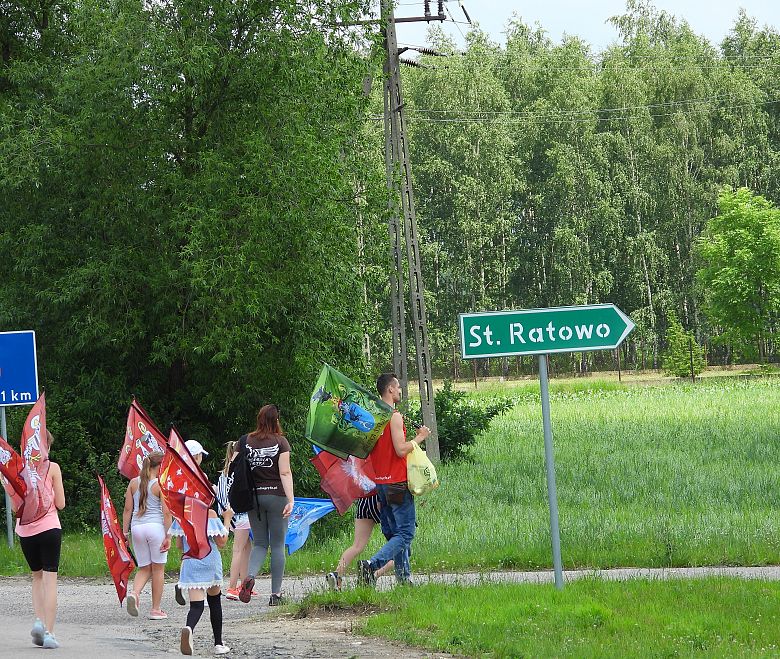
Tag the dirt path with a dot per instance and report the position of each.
(92, 624)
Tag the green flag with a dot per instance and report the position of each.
(345, 419)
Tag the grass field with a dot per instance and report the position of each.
(670, 475)
(650, 476)
(590, 618)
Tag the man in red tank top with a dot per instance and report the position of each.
(398, 516)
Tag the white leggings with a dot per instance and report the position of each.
(147, 539)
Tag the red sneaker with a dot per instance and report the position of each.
(245, 593)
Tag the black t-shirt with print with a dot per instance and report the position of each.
(263, 455)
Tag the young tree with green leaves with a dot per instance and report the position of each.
(740, 275)
(683, 356)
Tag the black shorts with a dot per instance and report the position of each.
(42, 551)
(368, 508)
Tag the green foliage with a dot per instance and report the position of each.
(547, 175)
(461, 418)
(740, 276)
(177, 187)
(682, 352)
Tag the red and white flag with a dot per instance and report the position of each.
(188, 495)
(39, 497)
(176, 442)
(141, 438)
(12, 476)
(120, 560)
(344, 480)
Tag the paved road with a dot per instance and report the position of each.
(92, 624)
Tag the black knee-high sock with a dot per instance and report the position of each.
(194, 614)
(215, 613)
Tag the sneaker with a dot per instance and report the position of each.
(37, 632)
(232, 594)
(159, 614)
(245, 592)
(366, 576)
(221, 649)
(179, 596)
(49, 642)
(185, 643)
(334, 580)
(277, 600)
(131, 604)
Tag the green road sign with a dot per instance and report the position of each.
(541, 331)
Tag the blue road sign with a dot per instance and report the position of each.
(18, 368)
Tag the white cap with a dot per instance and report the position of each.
(195, 447)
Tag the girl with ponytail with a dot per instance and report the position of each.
(237, 522)
(148, 516)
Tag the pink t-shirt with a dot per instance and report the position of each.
(51, 520)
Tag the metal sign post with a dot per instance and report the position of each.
(552, 493)
(541, 332)
(18, 386)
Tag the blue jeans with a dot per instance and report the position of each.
(399, 522)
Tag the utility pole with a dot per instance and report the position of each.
(399, 183)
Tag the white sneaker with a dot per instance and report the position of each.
(186, 640)
(49, 642)
(131, 604)
(37, 632)
(221, 649)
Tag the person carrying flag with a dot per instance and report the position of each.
(398, 516)
(146, 514)
(41, 539)
(202, 577)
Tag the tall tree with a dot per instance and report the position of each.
(740, 276)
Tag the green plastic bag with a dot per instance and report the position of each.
(420, 472)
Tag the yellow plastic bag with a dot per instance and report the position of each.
(420, 472)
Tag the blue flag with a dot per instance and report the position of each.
(305, 512)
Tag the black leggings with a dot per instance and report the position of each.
(42, 550)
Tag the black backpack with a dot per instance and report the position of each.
(241, 482)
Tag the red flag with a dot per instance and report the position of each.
(177, 444)
(188, 495)
(141, 439)
(39, 497)
(12, 476)
(120, 561)
(344, 480)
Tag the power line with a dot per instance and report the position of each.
(452, 18)
(526, 113)
(557, 119)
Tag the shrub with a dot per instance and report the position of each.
(460, 419)
(677, 358)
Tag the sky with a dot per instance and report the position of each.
(586, 18)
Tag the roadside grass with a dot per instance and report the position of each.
(673, 475)
(712, 617)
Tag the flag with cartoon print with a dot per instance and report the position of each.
(39, 497)
(344, 418)
(142, 437)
